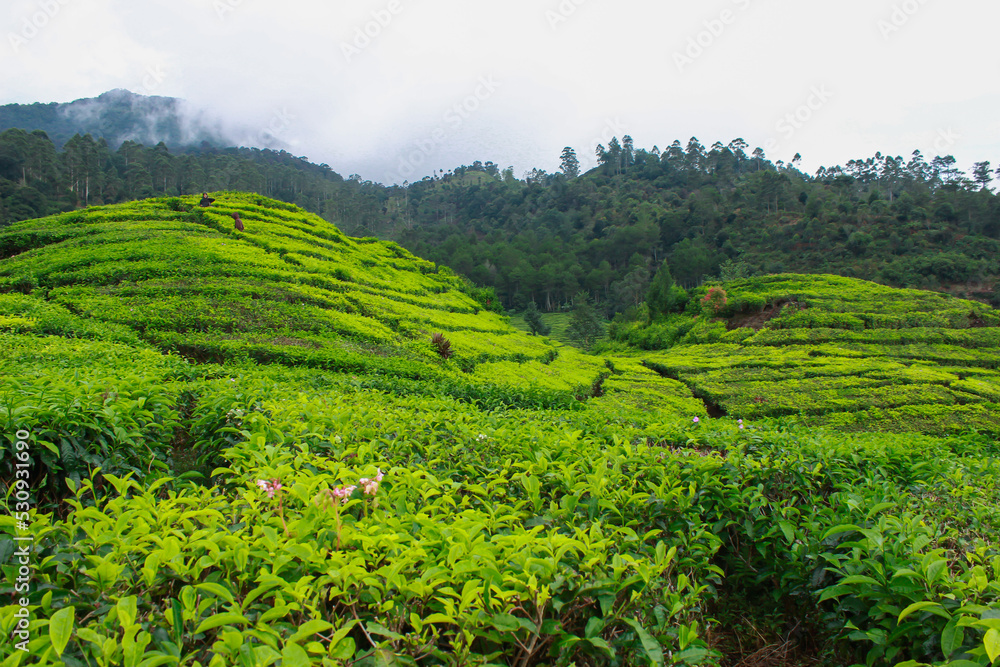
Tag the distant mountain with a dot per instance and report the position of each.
(118, 116)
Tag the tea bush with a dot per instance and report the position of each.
(244, 450)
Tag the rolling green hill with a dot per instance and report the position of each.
(291, 286)
(243, 448)
(290, 289)
(834, 351)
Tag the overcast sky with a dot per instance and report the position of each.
(394, 89)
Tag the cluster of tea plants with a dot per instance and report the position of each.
(264, 487)
(183, 277)
(291, 516)
(835, 351)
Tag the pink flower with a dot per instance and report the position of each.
(343, 491)
(696, 420)
(271, 486)
(371, 485)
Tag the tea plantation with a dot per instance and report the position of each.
(243, 448)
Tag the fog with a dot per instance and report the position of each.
(395, 89)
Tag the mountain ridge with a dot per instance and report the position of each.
(119, 115)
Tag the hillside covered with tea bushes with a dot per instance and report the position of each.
(291, 288)
(830, 350)
(244, 449)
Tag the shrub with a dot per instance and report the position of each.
(443, 345)
(714, 301)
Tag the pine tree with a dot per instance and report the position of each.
(662, 294)
(533, 318)
(569, 165)
(585, 327)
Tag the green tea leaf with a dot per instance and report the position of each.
(917, 606)
(309, 628)
(127, 611)
(219, 620)
(991, 640)
(935, 569)
(294, 655)
(952, 636)
(61, 628)
(649, 645)
(217, 590)
(836, 530)
(505, 623)
(788, 530)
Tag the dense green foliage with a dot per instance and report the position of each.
(831, 350)
(585, 326)
(37, 180)
(708, 212)
(245, 449)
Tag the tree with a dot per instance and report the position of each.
(569, 165)
(981, 174)
(663, 295)
(628, 151)
(533, 318)
(614, 155)
(585, 327)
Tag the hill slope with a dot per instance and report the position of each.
(367, 502)
(291, 288)
(833, 350)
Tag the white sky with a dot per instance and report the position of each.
(448, 82)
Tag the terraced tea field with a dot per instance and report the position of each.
(243, 448)
(837, 352)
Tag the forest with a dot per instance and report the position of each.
(709, 212)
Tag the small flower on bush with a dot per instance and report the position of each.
(235, 417)
(696, 420)
(342, 491)
(740, 422)
(371, 485)
(270, 486)
(714, 301)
